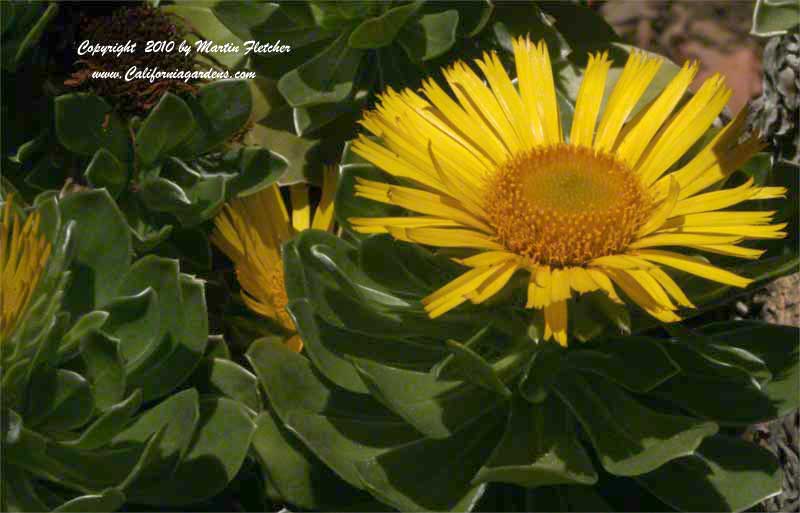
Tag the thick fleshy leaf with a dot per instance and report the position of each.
(326, 78)
(110, 499)
(447, 467)
(724, 474)
(134, 320)
(85, 123)
(102, 248)
(109, 424)
(775, 345)
(168, 124)
(637, 363)
(179, 415)
(106, 170)
(714, 390)
(331, 347)
(183, 327)
(211, 461)
(539, 448)
(630, 438)
(225, 377)
(429, 36)
(476, 369)
(771, 18)
(542, 372)
(66, 399)
(83, 328)
(301, 478)
(220, 109)
(340, 427)
(105, 370)
(381, 31)
(436, 408)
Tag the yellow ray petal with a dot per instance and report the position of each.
(641, 135)
(683, 239)
(526, 81)
(590, 95)
(731, 250)
(457, 291)
(670, 286)
(487, 258)
(295, 343)
(559, 285)
(508, 99)
(555, 322)
(301, 210)
(605, 284)
(634, 289)
(416, 200)
(381, 224)
(637, 74)
(694, 266)
(685, 128)
(494, 282)
(663, 211)
(539, 287)
(580, 280)
(445, 237)
(725, 218)
(774, 231)
(323, 217)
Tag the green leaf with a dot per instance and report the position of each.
(630, 439)
(340, 427)
(163, 195)
(178, 415)
(636, 363)
(85, 123)
(82, 329)
(110, 499)
(327, 78)
(169, 123)
(216, 453)
(773, 19)
(476, 369)
(105, 170)
(582, 27)
(19, 491)
(102, 248)
(104, 369)
(134, 320)
(219, 110)
(724, 474)
(436, 408)
(224, 377)
(539, 447)
(183, 329)
(448, 466)
(542, 372)
(429, 36)
(777, 346)
(65, 401)
(108, 425)
(300, 477)
(714, 390)
(381, 31)
(35, 33)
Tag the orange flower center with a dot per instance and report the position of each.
(565, 205)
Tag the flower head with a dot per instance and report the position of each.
(489, 169)
(23, 257)
(251, 231)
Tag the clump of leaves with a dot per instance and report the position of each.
(112, 391)
(136, 25)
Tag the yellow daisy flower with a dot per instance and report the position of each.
(251, 231)
(23, 257)
(491, 170)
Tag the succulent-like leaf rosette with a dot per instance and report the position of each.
(425, 413)
(111, 393)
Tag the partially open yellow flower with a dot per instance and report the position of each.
(251, 230)
(491, 170)
(23, 257)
